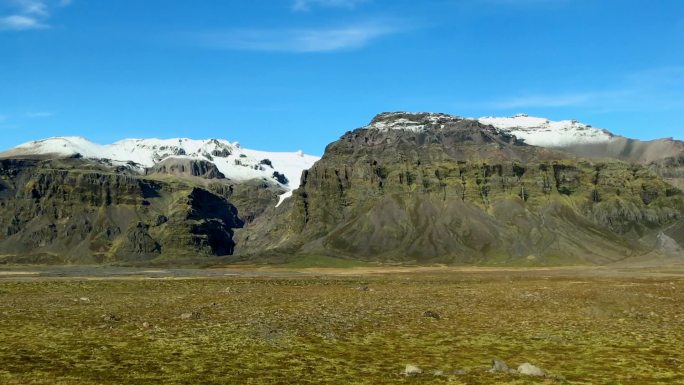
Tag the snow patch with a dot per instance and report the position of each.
(548, 133)
(410, 121)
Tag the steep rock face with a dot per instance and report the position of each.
(433, 187)
(663, 156)
(77, 214)
(186, 167)
(629, 150)
(210, 158)
(671, 168)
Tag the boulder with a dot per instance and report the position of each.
(499, 366)
(412, 370)
(530, 370)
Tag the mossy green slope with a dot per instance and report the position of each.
(76, 211)
(461, 192)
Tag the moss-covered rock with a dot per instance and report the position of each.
(75, 211)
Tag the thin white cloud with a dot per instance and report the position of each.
(39, 114)
(296, 40)
(656, 89)
(662, 76)
(20, 23)
(307, 5)
(557, 99)
(32, 7)
(23, 15)
(528, 3)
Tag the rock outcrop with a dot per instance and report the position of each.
(186, 167)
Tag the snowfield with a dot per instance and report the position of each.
(235, 162)
(533, 130)
(547, 133)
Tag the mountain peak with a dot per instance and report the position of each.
(411, 121)
(533, 130)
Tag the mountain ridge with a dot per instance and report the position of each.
(230, 159)
(407, 187)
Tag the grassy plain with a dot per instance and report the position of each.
(344, 326)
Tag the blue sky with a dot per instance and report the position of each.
(296, 74)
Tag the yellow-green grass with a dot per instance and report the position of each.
(343, 329)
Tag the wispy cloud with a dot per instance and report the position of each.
(307, 5)
(528, 3)
(656, 89)
(39, 114)
(296, 40)
(23, 15)
(20, 23)
(672, 76)
(556, 99)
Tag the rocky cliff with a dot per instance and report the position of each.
(185, 167)
(438, 188)
(663, 156)
(79, 211)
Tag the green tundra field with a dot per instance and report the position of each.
(343, 326)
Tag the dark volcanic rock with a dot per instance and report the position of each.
(186, 167)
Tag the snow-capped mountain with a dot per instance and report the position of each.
(589, 142)
(665, 156)
(548, 133)
(410, 121)
(233, 161)
(533, 130)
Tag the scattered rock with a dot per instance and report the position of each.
(556, 377)
(438, 373)
(363, 288)
(459, 372)
(530, 370)
(673, 361)
(146, 325)
(281, 178)
(431, 314)
(161, 219)
(499, 366)
(111, 317)
(191, 315)
(412, 370)
(84, 299)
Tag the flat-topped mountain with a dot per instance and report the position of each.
(425, 187)
(663, 156)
